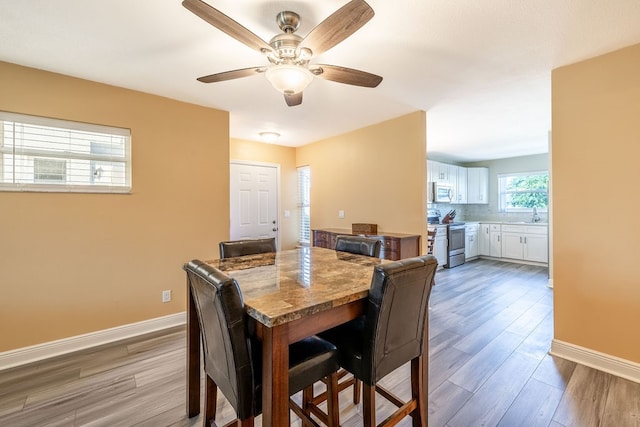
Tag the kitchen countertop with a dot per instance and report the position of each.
(495, 222)
(513, 222)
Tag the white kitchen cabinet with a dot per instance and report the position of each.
(525, 242)
(536, 247)
(512, 245)
(431, 173)
(440, 244)
(490, 240)
(461, 185)
(495, 237)
(484, 240)
(472, 246)
(477, 185)
(439, 172)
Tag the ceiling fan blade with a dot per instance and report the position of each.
(346, 75)
(338, 26)
(226, 24)
(230, 75)
(293, 100)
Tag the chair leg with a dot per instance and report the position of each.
(357, 385)
(333, 408)
(418, 392)
(210, 402)
(369, 405)
(307, 397)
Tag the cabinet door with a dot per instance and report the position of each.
(441, 172)
(440, 250)
(461, 185)
(496, 244)
(477, 185)
(484, 240)
(320, 239)
(433, 171)
(536, 248)
(512, 245)
(471, 246)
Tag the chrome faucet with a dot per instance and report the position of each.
(534, 215)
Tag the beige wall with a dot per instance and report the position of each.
(76, 263)
(285, 157)
(595, 152)
(375, 174)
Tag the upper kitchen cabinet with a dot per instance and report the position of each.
(441, 173)
(477, 185)
(469, 185)
(460, 195)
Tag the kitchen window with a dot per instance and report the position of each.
(43, 154)
(522, 192)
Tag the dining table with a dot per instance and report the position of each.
(288, 295)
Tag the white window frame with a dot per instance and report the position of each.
(65, 141)
(502, 192)
(304, 205)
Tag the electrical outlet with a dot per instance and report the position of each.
(340, 214)
(166, 296)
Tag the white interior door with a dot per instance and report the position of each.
(254, 201)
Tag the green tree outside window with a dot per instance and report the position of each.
(523, 192)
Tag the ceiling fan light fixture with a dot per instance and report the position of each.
(269, 137)
(289, 79)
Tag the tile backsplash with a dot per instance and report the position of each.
(484, 213)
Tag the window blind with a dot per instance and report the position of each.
(304, 205)
(43, 154)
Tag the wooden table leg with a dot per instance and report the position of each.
(275, 376)
(425, 374)
(193, 357)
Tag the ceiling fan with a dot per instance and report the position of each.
(289, 54)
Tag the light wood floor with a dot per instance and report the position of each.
(490, 330)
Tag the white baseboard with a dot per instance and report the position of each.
(34, 353)
(550, 283)
(594, 359)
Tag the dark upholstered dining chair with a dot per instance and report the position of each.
(362, 246)
(233, 248)
(358, 245)
(391, 333)
(233, 356)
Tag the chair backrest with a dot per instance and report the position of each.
(225, 342)
(235, 248)
(358, 245)
(396, 315)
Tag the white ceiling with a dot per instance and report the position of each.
(480, 69)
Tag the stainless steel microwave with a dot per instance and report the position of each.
(440, 193)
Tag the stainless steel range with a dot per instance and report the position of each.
(456, 241)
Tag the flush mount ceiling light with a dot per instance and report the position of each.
(269, 136)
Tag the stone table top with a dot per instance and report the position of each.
(280, 287)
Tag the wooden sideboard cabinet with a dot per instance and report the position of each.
(394, 246)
